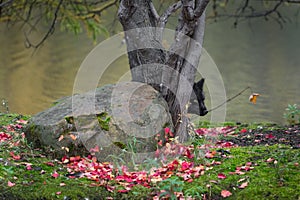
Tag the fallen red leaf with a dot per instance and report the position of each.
(189, 155)
(95, 149)
(15, 157)
(221, 176)
(50, 164)
(243, 130)
(225, 193)
(76, 158)
(55, 174)
(122, 191)
(28, 167)
(243, 185)
(10, 184)
(4, 136)
(270, 136)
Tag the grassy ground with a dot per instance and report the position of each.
(223, 166)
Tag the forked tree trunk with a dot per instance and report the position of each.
(166, 70)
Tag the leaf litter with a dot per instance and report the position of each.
(106, 175)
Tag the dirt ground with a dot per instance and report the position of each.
(289, 135)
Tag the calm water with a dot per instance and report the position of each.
(259, 55)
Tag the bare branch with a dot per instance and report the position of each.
(169, 11)
(154, 12)
(49, 32)
(247, 10)
(100, 10)
(201, 8)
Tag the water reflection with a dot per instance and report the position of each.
(262, 56)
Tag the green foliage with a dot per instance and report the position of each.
(141, 192)
(292, 114)
(73, 15)
(195, 191)
(170, 186)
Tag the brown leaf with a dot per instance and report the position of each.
(73, 137)
(60, 138)
(253, 97)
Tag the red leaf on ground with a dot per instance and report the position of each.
(209, 155)
(122, 191)
(186, 165)
(76, 158)
(65, 159)
(15, 157)
(201, 131)
(167, 130)
(243, 185)
(4, 136)
(270, 136)
(18, 126)
(50, 164)
(243, 130)
(95, 149)
(189, 155)
(221, 176)
(160, 143)
(225, 193)
(55, 174)
(28, 167)
(10, 184)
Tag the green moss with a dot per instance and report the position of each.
(103, 120)
(69, 119)
(120, 145)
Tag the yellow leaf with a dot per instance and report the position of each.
(253, 97)
(73, 137)
(60, 138)
(66, 149)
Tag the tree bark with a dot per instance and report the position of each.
(170, 72)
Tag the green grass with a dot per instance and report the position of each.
(267, 180)
(6, 119)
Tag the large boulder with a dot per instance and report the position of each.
(108, 121)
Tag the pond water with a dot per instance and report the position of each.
(258, 54)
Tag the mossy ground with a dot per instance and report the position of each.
(274, 173)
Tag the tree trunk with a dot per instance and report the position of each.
(171, 72)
